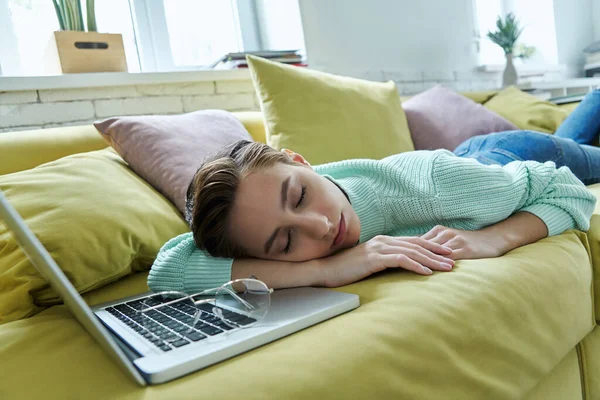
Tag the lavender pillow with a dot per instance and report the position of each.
(166, 150)
(439, 118)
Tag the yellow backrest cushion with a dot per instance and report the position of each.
(27, 149)
(327, 117)
(527, 111)
(97, 218)
(254, 124)
(22, 150)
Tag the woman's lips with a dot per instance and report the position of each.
(341, 232)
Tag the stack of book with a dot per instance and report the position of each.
(238, 60)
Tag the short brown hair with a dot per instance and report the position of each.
(211, 193)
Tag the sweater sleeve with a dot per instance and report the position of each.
(487, 194)
(181, 266)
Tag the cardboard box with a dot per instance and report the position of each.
(75, 51)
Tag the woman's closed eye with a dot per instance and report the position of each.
(288, 246)
(302, 196)
(289, 242)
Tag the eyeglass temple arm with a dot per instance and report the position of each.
(233, 294)
(196, 302)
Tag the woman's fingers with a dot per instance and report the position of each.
(403, 246)
(428, 261)
(443, 237)
(419, 241)
(432, 232)
(455, 242)
(423, 261)
(437, 248)
(405, 262)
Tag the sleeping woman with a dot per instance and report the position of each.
(255, 211)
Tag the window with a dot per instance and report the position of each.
(189, 47)
(29, 25)
(536, 16)
(159, 35)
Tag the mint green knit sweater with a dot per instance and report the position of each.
(406, 195)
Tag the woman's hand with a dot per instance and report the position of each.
(466, 244)
(410, 253)
(495, 240)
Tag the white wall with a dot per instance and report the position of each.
(421, 43)
(596, 18)
(280, 25)
(415, 43)
(405, 34)
(574, 31)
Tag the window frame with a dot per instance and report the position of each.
(506, 6)
(8, 40)
(152, 33)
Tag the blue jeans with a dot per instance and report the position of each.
(569, 146)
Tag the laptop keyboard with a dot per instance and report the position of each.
(164, 327)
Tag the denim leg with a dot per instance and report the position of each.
(583, 124)
(492, 148)
(504, 147)
(583, 160)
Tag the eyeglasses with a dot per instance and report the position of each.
(175, 317)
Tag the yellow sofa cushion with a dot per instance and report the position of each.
(326, 117)
(480, 97)
(527, 111)
(490, 329)
(27, 149)
(97, 218)
(254, 124)
(590, 363)
(594, 242)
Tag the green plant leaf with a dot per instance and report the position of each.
(507, 33)
(91, 16)
(59, 15)
(79, 15)
(67, 15)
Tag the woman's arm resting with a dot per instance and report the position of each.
(518, 230)
(492, 241)
(279, 274)
(350, 265)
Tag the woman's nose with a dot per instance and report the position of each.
(316, 225)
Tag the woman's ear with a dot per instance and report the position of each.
(296, 157)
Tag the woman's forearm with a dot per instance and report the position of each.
(518, 230)
(279, 274)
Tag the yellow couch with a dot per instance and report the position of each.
(517, 327)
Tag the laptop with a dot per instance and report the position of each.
(143, 355)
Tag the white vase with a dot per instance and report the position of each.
(510, 76)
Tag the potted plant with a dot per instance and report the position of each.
(506, 36)
(80, 48)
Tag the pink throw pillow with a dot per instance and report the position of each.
(166, 150)
(439, 118)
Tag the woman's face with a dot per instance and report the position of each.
(291, 213)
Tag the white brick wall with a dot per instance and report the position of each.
(139, 106)
(235, 87)
(178, 89)
(233, 102)
(41, 113)
(34, 109)
(29, 96)
(109, 92)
